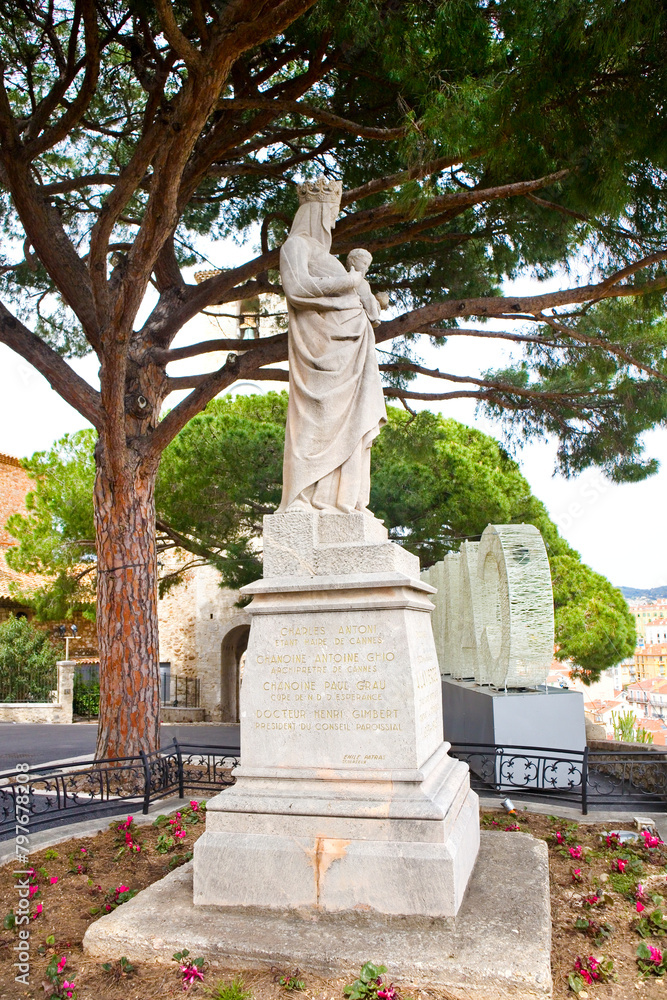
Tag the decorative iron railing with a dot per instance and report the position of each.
(29, 684)
(180, 692)
(88, 789)
(590, 778)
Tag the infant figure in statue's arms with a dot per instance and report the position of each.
(359, 260)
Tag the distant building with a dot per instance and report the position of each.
(648, 697)
(644, 612)
(15, 483)
(602, 712)
(656, 631)
(651, 660)
(658, 730)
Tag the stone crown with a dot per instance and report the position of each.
(321, 189)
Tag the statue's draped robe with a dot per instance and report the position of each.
(335, 400)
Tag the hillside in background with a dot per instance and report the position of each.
(632, 593)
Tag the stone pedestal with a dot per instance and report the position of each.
(346, 798)
(552, 718)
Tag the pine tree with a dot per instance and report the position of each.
(477, 141)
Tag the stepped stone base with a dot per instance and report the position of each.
(395, 847)
(497, 947)
(346, 797)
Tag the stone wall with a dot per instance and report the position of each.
(202, 634)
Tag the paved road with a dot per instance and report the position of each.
(35, 744)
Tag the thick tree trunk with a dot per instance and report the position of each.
(127, 624)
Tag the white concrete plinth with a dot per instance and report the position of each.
(346, 797)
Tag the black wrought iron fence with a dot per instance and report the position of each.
(180, 692)
(590, 778)
(88, 789)
(29, 684)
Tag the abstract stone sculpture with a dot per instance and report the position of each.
(497, 599)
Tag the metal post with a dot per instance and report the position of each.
(584, 783)
(179, 757)
(147, 782)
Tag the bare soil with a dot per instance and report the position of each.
(87, 872)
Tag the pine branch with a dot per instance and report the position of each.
(55, 369)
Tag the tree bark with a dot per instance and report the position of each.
(127, 624)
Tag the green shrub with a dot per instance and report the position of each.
(28, 658)
(86, 697)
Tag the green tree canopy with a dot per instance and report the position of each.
(28, 658)
(434, 483)
(477, 142)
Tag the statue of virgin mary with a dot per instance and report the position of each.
(336, 405)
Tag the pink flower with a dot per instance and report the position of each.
(656, 954)
(122, 888)
(180, 833)
(84, 850)
(620, 864)
(32, 890)
(613, 840)
(61, 964)
(583, 971)
(68, 988)
(194, 805)
(53, 879)
(128, 838)
(128, 822)
(387, 992)
(640, 907)
(587, 968)
(38, 910)
(650, 840)
(576, 875)
(190, 975)
(559, 837)
(576, 852)
(592, 900)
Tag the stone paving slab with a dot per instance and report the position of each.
(497, 947)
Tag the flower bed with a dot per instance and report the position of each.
(608, 910)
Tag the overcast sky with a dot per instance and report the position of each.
(617, 529)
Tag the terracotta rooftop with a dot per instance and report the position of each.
(654, 725)
(648, 684)
(597, 705)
